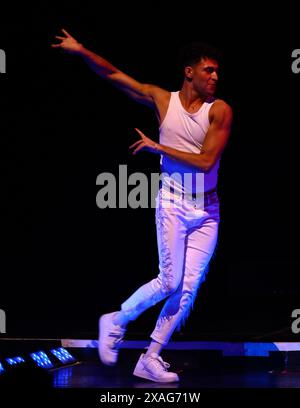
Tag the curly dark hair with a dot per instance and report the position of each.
(191, 54)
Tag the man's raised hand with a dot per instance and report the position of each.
(67, 43)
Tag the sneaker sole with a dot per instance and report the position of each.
(142, 373)
(104, 361)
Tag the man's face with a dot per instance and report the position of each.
(205, 76)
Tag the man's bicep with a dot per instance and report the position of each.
(218, 135)
(136, 90)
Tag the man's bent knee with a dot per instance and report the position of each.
(170, 287)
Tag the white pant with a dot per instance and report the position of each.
(186, 236)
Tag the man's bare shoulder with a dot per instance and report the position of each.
(161, 99)
(158, 92)
(220, 111)
(221, 105)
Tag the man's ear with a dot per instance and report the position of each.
(188, 72)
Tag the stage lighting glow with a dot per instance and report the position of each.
(41, 359)
(15, 360)
(1, 368)
(63, 355)
(63, 378)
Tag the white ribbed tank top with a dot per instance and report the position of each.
(185, 131)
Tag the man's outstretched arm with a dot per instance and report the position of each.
(147, 94)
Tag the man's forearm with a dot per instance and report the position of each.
(198, 160)
(98, 64)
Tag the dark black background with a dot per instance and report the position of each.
(63, 260)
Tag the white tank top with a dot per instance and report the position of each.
(185, 131)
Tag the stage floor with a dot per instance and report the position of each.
(195, 370)
(216, 371)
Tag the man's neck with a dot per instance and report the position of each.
(190, 99)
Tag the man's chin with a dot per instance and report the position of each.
(211, 90)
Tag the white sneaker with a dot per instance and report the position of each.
(154, 368)
(110, 338)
